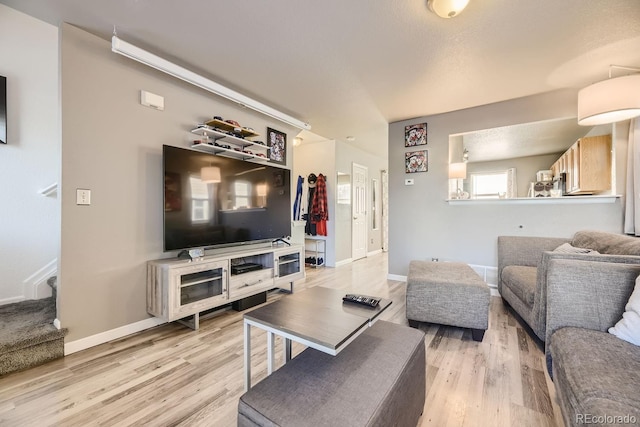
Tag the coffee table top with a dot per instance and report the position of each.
(317, 315)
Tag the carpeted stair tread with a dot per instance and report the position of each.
(28, 323)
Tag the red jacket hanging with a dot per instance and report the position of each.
(320, 206)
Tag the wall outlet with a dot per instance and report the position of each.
(83, 196)
(408, 181)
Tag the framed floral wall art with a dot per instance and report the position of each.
(416, 161)
(415, 135)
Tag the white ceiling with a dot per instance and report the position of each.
(349, 67)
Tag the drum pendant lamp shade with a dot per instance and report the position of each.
(447, 8)
(609, 101)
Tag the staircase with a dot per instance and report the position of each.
(27, 335)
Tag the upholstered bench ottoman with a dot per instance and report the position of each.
(377, 380)
(447, 293)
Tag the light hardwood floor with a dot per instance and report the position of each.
(173, 376)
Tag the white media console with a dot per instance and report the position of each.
(179, 288)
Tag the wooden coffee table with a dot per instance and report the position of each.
(316, 317)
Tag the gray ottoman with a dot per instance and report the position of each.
(377, 380)
(447, 293)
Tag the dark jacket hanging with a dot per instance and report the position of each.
(320, 207)
(310, 227)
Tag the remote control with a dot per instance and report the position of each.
(362, 300)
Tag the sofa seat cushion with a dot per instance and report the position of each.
(521, 281)
(595, 373)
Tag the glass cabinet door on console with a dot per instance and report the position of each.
(288, 265)
(197, 286)
(202, 285)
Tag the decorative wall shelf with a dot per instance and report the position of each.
(216, 140)
(217, 135)
(209, 148)
(215, 123)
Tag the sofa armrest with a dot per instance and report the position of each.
(524, 251)
(588, 294)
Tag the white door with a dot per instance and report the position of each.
(359, 224)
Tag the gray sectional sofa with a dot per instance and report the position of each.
(523, 264)
(596, 374)
(570, 300)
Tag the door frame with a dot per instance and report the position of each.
(364, 198)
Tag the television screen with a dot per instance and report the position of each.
(213, 201)
(3, 110)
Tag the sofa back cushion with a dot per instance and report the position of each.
(607, 243)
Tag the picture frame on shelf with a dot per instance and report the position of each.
(415, 135)
(277, 143)
(416, 161)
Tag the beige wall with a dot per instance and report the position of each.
(332, 157)
(319, 158)
(346, 155)
(422, 225)
(113, 146)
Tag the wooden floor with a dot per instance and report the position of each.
(173, 376)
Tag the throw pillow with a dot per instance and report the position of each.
(566, 248)
(628, 328)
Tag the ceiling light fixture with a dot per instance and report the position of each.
(611, 100)
(447, 8)
(137, 54)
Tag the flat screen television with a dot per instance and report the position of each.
(212, 201)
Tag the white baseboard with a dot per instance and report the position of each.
(113, 334)
(344, 262)
(35, 286)
(11, 300)
(397, 277)
(376, 252)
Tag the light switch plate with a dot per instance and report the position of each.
(408, 181)
(83, 196)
